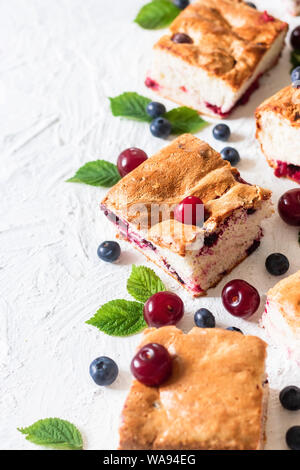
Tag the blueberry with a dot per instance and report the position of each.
(104, 371)
(109, 251)
(292, 438)
(290, 398)
(231, 155)
(155, 109)
(277, 264)
(160, 127)
(204, 318)
(295, 77)
(250, 4)
(181, 3)
(233, 328)
(221, 132)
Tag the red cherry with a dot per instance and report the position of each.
(163, 308)
(152, 365)
(190, 211)
(240, 298)
(130, 159)
(289, 207)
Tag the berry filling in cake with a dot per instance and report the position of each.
(189, 211)
(283, 169)
(278, 132)
(238, 236)
(212, 57)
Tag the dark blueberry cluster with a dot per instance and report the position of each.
(160, 126)
(290, 400)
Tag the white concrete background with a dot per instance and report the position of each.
(59, 61)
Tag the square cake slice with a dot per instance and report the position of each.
(141, 205)
(215, 399)
(281, 318)
(278, 132)
(214, 54)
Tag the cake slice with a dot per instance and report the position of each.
(278, 132)
(281, 318)
(293, 6)
(215, 399)
(214, 54)
(142, 204)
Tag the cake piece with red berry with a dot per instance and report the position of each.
(214, 54)
(281, 318)
(215, 397)
(189, 211)
(278, 131)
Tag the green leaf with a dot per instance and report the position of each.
(295, 58)
(299, 238)
(119, 318)
(143, 282)
(55, 433)
(157, 14)
(97, 173)
(130, 105)
(185, 119)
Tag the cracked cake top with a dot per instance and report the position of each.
(286, 103)
(213, 399)
(229, 38)
(186, 167)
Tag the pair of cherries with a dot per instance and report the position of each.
(152, 365)
(190, 211)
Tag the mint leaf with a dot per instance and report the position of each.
(157, 14)
(299, 238)
(133, 106)
(130, 105)
(143, 282)
(119, 318)
(97, 173)
(295, 58)
(55, 433)
(185, 119)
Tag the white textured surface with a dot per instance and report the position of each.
(59, 61)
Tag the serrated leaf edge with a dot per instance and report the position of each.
(157, 279)
(92, 320)
(31, 437)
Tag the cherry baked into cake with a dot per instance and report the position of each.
(281, 318)
(214, 54)
(215, 399)
(142, 207)
(278, 132)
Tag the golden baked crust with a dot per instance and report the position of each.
(286, 293)
(229, 38)
(188, 166)
(286, 103)
(213, 400)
